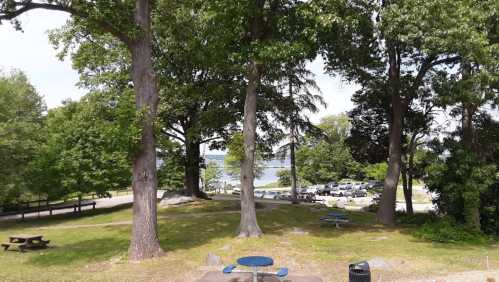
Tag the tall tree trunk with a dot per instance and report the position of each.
(294, 192)
(292, 148)
(405, 186)
(471, 204)
(248, 226)
(410, 176)
(144, 243)
(386, 211)
(192, 171)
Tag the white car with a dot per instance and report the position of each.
(259, 193)
(357, 186)
(272, 195)
(315, 189)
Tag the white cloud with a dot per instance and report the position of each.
(31, 52)
(336, 93)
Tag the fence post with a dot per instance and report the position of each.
(79, 203)
(50, 210)
(74, 206)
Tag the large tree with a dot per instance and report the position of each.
(398, 40)
(297, 87)
(130, 22)
(325, 158)
(259, 29)
(21, 110)
(202, 89)
(86, 147)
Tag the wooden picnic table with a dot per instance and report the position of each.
(25, 241)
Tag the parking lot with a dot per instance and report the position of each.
(349, 195)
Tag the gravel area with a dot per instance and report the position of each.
(468, 276)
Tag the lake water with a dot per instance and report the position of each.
(269, 175)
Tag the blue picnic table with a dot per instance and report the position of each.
(255, 263)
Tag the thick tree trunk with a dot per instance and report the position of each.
(248, 226)
(144, 243)
(471, 204)
(192, 171)
(386, 211)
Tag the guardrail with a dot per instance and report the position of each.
(51, 208)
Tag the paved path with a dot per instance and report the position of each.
(218, 276)
(99, 204)
(129, 222)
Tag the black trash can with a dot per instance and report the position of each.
(359, 272)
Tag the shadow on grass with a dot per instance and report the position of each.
(185, 233)
(80, 252)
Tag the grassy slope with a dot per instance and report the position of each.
(99, 253)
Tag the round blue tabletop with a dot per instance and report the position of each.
(254, 261)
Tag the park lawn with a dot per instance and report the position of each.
(188, 233)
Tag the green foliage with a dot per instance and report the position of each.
(235, 156)
(284, 176)
(376, 171)
(325, 159)
(171, 172)
(87, 146)
(459, 181)
(21, 111)
(211, 174)
(446, 230)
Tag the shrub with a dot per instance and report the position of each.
(446, 230)
(415, 219)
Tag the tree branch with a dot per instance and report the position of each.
(28, 6)
(210, 139)
(165, 132)
(427, 65)
(176, 130)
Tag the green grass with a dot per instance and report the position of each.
(98, 253)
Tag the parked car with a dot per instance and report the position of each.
(337, 193)
(331, 185)
(259, 193)
(285, 196)
(371, 184)
(236, 191)
(359, 193)
(357, 186)
(272, 195)
(315, 189)
(306, 197)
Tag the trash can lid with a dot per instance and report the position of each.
(362, 265)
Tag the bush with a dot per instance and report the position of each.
(446, 230)
(415, 219)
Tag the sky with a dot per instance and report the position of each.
(31, 52)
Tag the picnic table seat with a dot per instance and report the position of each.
(228, 269)
(282, 272)
(21, 246)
